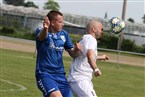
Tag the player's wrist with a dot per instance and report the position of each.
(45, 28)
(96, 70)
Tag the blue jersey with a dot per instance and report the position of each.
(50, 50)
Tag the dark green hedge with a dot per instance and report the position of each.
(108, 41)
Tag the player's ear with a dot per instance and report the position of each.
(94, 29)
(52, 23)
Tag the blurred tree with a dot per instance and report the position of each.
(30, 4)
(143, 18)
(131, 20)
(51, 5)
(14, 2)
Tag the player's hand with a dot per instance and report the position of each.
(77, 46)
(97, 72)
(46, 23)
(105, 57)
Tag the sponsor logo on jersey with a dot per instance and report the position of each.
(52, 46)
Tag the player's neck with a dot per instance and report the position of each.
(51, 30)
(93, 34)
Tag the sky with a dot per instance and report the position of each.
(135, 9)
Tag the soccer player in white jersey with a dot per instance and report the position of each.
(84, 65)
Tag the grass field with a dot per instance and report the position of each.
(17, 77)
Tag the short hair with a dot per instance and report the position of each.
(52, 15)
(91, 24)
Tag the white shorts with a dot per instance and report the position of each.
(82, 89)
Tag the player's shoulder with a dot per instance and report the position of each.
(88, 38)
(64, 31)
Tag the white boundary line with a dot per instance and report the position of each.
(22, 88)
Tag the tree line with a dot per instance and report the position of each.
(50, 4)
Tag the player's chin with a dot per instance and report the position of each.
(98, 38)
(59, 29)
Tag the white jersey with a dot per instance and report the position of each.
(80, 68)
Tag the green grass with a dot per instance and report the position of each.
(19, 68)
(125, 81)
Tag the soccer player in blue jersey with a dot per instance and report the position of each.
(50, 42)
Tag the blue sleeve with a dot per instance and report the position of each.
(38, 43)
(68, 44)
(38, 31)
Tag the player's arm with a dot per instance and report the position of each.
(44, 31)
(103, 57)
(74, 52)
(92, 62)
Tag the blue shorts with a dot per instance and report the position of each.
(49, 83)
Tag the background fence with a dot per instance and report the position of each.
(30, 18)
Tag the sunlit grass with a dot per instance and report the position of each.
(19, 68)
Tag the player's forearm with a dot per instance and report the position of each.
(92, 63)
(43, 34)
(103, 57)
(73, 53)
(99, 57)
